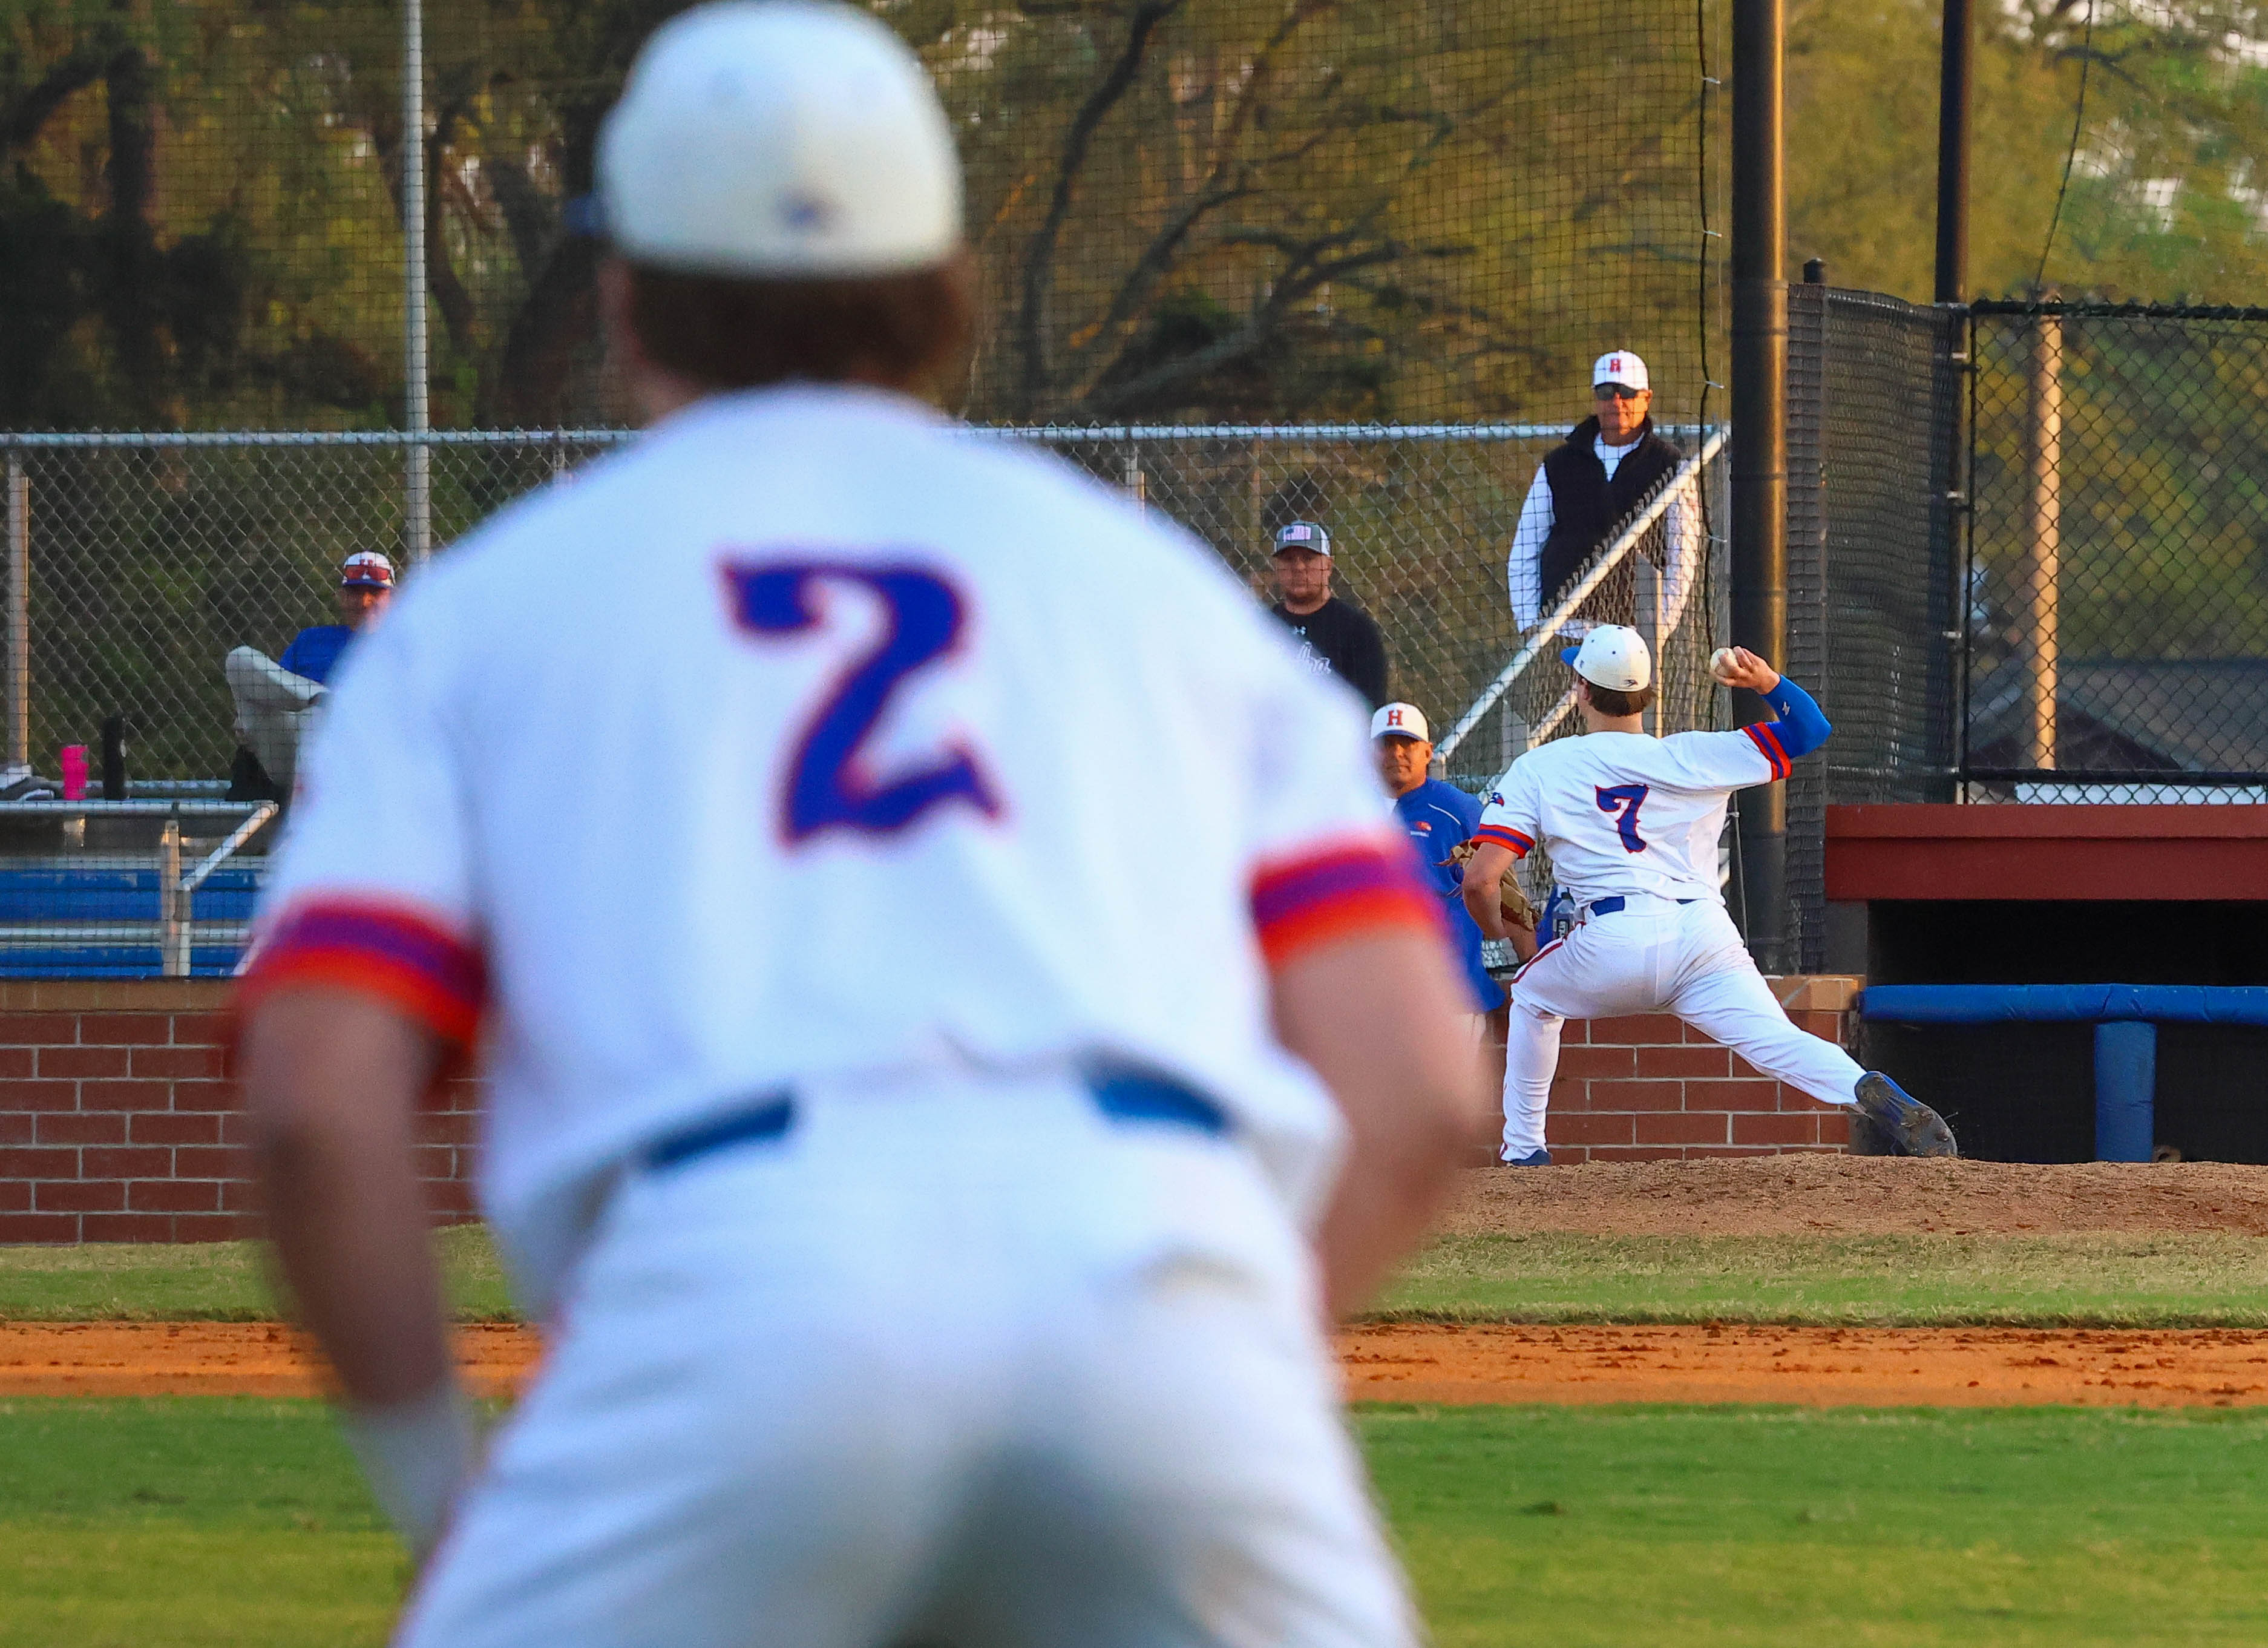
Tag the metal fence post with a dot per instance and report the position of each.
(172, 911)
(2044, 543)
(19, 611)
(418, 499)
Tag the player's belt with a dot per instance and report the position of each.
(769, 1117)
(1132, 1095)
(1122, 1094)
(1610, 906)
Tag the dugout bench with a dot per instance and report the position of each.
(2067, 982)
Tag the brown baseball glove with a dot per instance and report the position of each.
(1510, 902)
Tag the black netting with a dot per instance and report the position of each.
(1201, 209)
(2118, 597)
(1873, 402)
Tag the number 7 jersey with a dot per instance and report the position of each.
(1626, 813)
(817, 739)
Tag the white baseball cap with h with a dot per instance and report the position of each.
(1401, 720)
(1612, 656)
(1620, 366)
(784, 139)
(1303, 535)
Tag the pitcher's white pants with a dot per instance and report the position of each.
(986, 1369)
(1655, 957)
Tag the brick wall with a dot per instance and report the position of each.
(118, 1124)
(1654, 1089)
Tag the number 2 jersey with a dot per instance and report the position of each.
(1630, 814)
(794, 743)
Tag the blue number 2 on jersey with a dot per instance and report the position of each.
(827, 787)
(1624, 801)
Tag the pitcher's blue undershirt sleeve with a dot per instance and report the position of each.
(1803, 726)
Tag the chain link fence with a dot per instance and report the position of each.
(2117, 622)
(134, 565)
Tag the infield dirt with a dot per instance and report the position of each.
(1404, 1363)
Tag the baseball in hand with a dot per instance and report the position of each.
(1721, 663)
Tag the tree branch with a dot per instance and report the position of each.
(23, 119)
(1260, 327)
(1039, 257)
(1212, 195)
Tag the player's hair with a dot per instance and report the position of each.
(1607, 701)
(723, 332)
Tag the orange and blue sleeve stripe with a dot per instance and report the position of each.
(1505, 835)
(1764, 735)
(1336, 892)
(397, 955)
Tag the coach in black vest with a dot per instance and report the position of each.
(1586, 487)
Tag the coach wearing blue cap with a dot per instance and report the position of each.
(1439, 818)
(1338, 639)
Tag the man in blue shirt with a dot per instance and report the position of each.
(1440, 817)
(365, 585)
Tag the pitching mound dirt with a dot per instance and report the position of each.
(1858, 1195)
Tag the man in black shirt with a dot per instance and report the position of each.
(1339, 639)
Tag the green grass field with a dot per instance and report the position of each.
(185, 1522)
(205, 1281)
(197, 1522)
(2121, 1281)
(1884, 1281)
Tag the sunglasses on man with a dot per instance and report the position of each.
(1616, 392)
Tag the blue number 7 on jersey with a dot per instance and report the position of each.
(1624, 801)
(828, 786)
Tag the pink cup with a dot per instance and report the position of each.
(74, 759)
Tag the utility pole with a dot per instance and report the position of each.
(1760, 437)
(417, 490)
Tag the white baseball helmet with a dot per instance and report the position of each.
(1612, 656)
(781, 138)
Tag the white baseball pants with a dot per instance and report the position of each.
(1655, 956)
(976, 1367)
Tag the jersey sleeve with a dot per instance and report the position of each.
(1728, 761)
(1328, 860)
(1512, 817)
(371, 890)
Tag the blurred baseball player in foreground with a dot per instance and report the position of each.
(952, 1044)
(1631, 824)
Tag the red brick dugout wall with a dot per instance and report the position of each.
(117, 1123)
(1654, 1089)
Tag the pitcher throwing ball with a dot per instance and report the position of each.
(1631, 824)
(952, 1041)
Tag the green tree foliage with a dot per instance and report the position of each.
(2166, 198)
(1184, 207)
(1244, 208)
